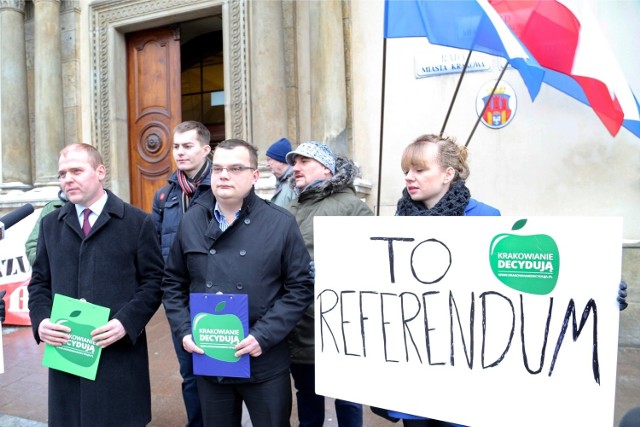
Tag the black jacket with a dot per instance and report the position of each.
(261, 254)
(118, 265)
(167, 213)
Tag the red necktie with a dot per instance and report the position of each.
(86, 225)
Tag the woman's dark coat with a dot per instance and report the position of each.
(119, 265)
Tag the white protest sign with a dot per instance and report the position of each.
(15, 270)
(482, 321)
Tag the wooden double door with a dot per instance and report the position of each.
(154, 109)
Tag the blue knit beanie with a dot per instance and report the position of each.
(279, 149)
(316, 151)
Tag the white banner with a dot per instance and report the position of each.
(15, 270)
(482, 321)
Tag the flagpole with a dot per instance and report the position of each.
(455, 94)
(384, 72)
(486, 104)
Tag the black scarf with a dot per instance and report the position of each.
(452, 203)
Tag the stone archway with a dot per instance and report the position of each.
(109, 22)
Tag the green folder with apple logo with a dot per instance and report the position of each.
(218, 323)
(79, 355)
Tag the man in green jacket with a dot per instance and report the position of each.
(32, 241)
(324, 184)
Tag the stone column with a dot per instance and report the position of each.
(267, 69)
(49, 118)
(328, 78)
(16, 152)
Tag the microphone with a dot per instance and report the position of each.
(12, 218)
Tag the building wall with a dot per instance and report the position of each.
(554, 158)
(314, 70)
(318, 75)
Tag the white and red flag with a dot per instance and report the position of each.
(565, 38)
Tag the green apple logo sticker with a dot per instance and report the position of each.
(527, 264)
(218, 334)
(80, 348)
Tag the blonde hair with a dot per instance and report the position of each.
(449, 155)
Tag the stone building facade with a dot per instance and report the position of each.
(308, 70)
(65, 80)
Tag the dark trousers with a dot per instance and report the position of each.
(311, 405)
(189, 386)
(268, 402)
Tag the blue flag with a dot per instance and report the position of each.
(463, 24)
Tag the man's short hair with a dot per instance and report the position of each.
(204, 136)
(230, 144)
(95, 159)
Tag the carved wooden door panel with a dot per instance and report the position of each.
(154, 109)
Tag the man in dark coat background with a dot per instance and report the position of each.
(118, 264)
(191, 180)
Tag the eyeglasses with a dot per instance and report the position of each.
(233, 170)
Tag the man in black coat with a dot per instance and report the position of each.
(238, 243)
(112, 260)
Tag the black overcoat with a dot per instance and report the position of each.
(261, 254)
(118, 265)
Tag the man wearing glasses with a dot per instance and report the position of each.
(233, 242)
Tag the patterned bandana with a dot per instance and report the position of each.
(316, 151)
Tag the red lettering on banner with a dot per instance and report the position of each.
(16, 300)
